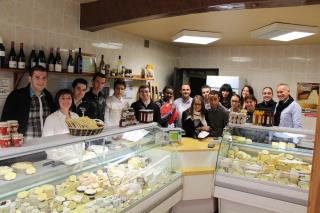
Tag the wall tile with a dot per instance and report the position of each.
(42, 4)
(7, 11)
(23, 16)
(40, 19)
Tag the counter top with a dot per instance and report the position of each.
(192, 145)
(197, 171)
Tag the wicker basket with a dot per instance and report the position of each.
(85, 132)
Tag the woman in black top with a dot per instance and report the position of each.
(225, 94)
(144, 102)
(268, 103)
(193, 119)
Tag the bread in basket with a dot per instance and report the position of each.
(84, 126)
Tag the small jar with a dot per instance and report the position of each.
(5, 141)
(17, 139)
(150, 116)
(13, 126)
(4, 128)
(123, 122)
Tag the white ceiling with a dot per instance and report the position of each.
(235, 25)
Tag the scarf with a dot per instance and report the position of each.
(197, 119)
(281, 106)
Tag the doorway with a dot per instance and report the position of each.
(195, 77)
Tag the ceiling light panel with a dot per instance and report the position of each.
(196, 37)
(284, 32)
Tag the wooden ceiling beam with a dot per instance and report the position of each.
(102, 14)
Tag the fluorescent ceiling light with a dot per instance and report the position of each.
(284, 32)
(196, 37)
(109, 45)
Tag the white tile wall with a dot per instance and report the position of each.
(259, 65)
(56, 23)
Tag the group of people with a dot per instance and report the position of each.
(40, 115)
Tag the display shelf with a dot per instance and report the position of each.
(18, 74)
(272, 128)
(40, 144)
(134, 78)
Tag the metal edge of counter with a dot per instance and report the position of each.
(41, 144)
(262, 188)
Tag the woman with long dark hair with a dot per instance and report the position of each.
(246, 91)
(225, 94)
(193, 119)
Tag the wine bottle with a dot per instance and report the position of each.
(119, 66)
(41, 58)
(78, 67)
(51, 60)
(70, 63)
(2, 54)
(21, 58)
(58, 62)
(102, 68)
(32, 59)
(12, 57)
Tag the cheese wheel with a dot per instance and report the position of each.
(30, 170)
(10, 176)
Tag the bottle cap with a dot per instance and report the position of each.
(1, 41)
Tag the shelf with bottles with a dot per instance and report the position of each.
(135, 77)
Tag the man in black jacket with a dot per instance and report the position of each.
(145, 102)
(30, 105)
(217, 116)
(94, 101)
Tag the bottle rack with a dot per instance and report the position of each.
(18, 75)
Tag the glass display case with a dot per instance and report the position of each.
(269, 162)
(114, 171)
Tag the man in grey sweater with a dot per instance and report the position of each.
(217, 116)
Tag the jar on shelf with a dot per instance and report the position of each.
(17, 139)
(4, 127)
(146, 115)
(5, 141)
(13, 126)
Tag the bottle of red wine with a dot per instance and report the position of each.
(58, 62)
(32, 59)
(21, 58)
(12, 57)
(41, 61)
(51, 60)
(70, 63)
(78, 67)
(102, 68)
(2, 54)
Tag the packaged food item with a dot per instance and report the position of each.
(5, 141)
(17, 139)
(4, 128)
(13, 126)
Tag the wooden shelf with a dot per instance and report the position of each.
(18, 74)
(134, 78)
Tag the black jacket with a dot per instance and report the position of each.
(217, 119)
(188, 125)
(94, 105)
(138, 105)
(270, 105)
(17, 107)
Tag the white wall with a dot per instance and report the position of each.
(259, 65)
(56, 23)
